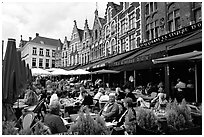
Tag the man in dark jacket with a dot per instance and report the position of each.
(88, 100)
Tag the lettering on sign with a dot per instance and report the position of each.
(176, 33)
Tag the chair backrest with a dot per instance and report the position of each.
(38, 107)
(28, 120)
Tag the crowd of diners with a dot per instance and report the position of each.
(119, 102)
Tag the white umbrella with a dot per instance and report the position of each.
(104, 71)
(80, 72)
(39, 71)
(52, 69)
(59, 72)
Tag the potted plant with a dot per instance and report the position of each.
(86, 125)
(179, 120)
(8, 128)
(147, 122)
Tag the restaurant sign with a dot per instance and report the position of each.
(140, 58)
(99, 65)
(174, 34)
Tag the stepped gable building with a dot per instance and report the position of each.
(39, 52)
(97, 48)
(122, 28)
(111, 29)
(58, 55)
(75, 44)
(85, 48)
(65, 55)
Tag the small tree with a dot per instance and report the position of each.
(86, 125)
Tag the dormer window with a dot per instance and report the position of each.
(41, 42)
(96, 34)
(84, 35)
(113, 27)
(107, 31)
(109, 14)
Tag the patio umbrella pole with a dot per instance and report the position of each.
(196, 83)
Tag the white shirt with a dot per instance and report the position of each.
(53, 97)
(180, 85)
(104, 98)
(98, 95)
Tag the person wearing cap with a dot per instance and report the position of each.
(53, 120)
(111, 109)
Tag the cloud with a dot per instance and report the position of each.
(49, 19)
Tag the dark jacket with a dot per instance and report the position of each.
(131, 95)
(120, 96)
(55, 123)
(88, 100)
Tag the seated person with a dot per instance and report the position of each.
(53, 120)
(129, 94)
(149, 89)
(139, 90)
(142, 103)
(88, 100)
(54, 96)
(119, 94)
(104, 97)
(110, 110)
(160, 99)
(129, 115)
(31, 99)
(97, 96)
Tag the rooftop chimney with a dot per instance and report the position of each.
(21, 37)
(37, 34)
(30, 38)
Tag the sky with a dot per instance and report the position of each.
(51, 19)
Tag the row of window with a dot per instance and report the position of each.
(150, 8)
(126, 5)
(97, 52)
(41, 52)
(154, 30)
(74, 47)
(131, 25)
(47, 63)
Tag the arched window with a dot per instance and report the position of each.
(109, 14)
(107, 31)
(84, 35)
(96, 34)
(107, 49)
(113, 27)
(113, 46)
